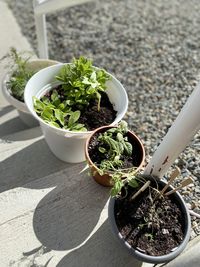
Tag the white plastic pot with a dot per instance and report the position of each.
(68, 145)
(23, 111)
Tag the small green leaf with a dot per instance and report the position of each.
(102, 149)
(61, 106)
(55, 98)
(47, 114)
(78, 127)
(53, 123)
(128, 148)
(116, 188)
(93, 76)
(133, 183)
(38, 105)
(60, 116)
(111, 130)
(123, 126)
(121, 148)
(120, 137)
(73, 118)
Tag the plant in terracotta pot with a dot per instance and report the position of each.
(154, 227)
(20, 69)
(70, 101)
(114, 155)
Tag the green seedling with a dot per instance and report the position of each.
(80, 83)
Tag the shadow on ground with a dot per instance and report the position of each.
(11, 127)
(100, 250)
(66, 216)
(29, 164)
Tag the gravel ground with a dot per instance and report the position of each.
(152, 47)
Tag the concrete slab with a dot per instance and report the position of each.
(60, 219)
(189, 257)
(26, 157)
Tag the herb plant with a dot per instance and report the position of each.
(80, 83)
(19, 73)
(114, 145)
(57, 114)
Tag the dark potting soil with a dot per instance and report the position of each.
(128, 161)
(154, 228)
(91, 117)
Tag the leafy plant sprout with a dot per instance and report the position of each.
(80, 82)
(19, 72)
(114, 145)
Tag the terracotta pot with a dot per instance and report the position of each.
(105, 179)
(148, 258)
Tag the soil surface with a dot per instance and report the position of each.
(128, 161)
(154, 227)
(91, 117)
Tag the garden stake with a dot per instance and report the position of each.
(141, 190)
(173, 175)
(183, 184)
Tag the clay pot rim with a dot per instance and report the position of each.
(90, 162)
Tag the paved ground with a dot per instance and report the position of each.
(49, 217)
(152, 47)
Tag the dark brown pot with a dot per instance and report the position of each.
(105, 179)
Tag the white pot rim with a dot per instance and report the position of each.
(11, 99)
(64, 131)
(21, 106)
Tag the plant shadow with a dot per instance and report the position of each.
(66, 216)
(100, 250)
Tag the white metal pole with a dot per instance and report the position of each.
(178, 137)
(42, 7)
(48, 6)
(41, 31)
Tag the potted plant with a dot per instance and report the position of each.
(114, 154)
(21, 69)
(71, 100)
(152, 226)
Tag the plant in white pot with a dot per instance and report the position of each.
(152, 225)
(70, 101)
(20, 69)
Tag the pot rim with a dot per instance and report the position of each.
(108, 127)
(80, 133)
(148, 258)
(21, 106)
